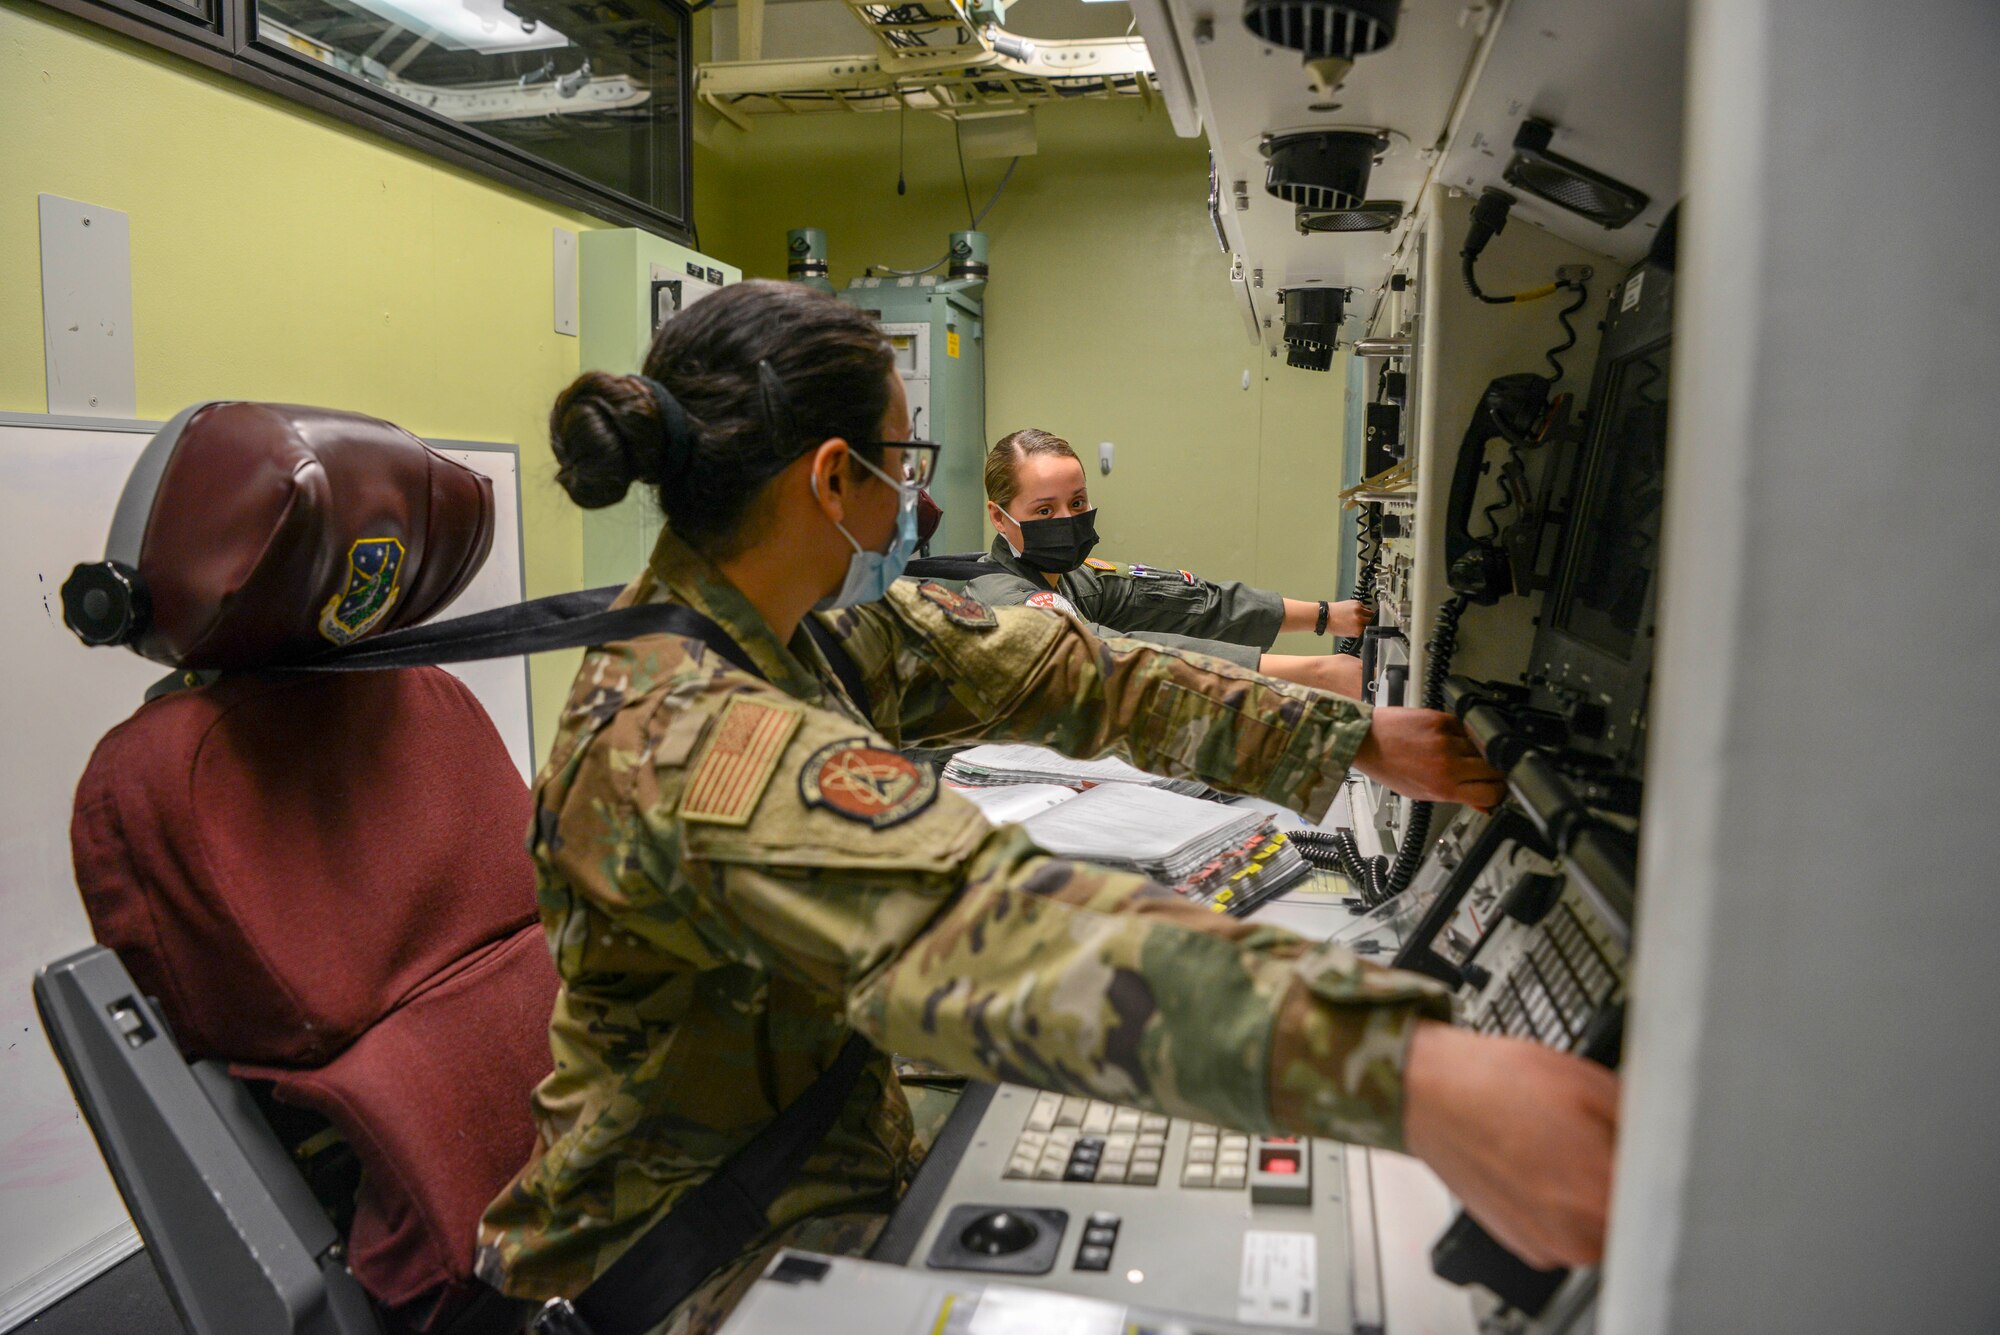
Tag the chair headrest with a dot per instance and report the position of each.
(259, 534)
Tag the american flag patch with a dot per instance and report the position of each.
(735, 768)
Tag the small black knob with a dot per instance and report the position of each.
(999, 1234)
(1530, 899)
(1587, 718)
(105, 602)
(1477, 975)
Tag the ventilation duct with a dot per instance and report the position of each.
(1324, 29)
(1312, 325)
(1322, 170)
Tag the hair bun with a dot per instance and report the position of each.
(605, 433)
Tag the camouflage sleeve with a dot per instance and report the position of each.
(1141, 598)
(944, 669)
(948, 941)
(1087, 981)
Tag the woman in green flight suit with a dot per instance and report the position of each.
(738, 871)
(1045, 528)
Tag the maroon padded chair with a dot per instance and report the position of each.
(320, 879)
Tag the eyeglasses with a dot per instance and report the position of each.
(919, 457)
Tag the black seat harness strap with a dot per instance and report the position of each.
(958, 566)
(719, 1218)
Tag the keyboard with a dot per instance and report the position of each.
(1069, 1139)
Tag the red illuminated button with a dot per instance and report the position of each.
(1280, 1161)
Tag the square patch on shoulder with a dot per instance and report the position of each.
(736, 766)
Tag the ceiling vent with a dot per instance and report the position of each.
(1567, 184)
(1324, 29)
(1376, 215)
(1322, 170)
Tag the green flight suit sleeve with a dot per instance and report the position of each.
(944, 670)
(946, 940)
(1006, 589)
(1139, 598)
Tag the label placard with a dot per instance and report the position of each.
(1280, 1280)
(1632, 291)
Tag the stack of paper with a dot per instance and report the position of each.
(1166, 835)
(1228, 858)
(1015, 802)
(987, 766)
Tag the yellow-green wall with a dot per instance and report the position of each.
(1109, 317)
(278, 254)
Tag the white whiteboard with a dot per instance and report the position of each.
(61, 1221)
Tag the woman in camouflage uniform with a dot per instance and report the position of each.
(738, 869)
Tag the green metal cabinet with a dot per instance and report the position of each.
(938, 330)
(630, 282)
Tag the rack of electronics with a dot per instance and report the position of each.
(1527, 911)
(1397, 193)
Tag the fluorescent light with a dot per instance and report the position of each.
(466, 25)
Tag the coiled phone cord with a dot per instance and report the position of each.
(1377, 880)
(1364, 583)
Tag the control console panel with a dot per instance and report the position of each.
(827, 1295)
(1089, 1198)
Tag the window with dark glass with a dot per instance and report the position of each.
(589, 86)
(580, 100)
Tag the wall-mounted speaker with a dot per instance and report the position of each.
(1375, 215)
(1566, 183)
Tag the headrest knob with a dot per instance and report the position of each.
(105, 602)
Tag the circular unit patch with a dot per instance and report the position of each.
(864, 783)
(1050, 600)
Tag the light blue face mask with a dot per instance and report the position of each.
(869, 574)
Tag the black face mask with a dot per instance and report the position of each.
(1058, 544)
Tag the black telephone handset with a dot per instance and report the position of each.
(1511, 408)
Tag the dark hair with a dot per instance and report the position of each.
(831, 364)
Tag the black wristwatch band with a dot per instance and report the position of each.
(1319, 627)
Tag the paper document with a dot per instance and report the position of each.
(998, 764)
(1015, 802)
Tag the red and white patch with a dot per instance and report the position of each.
(866, 783)
(1052, 601)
